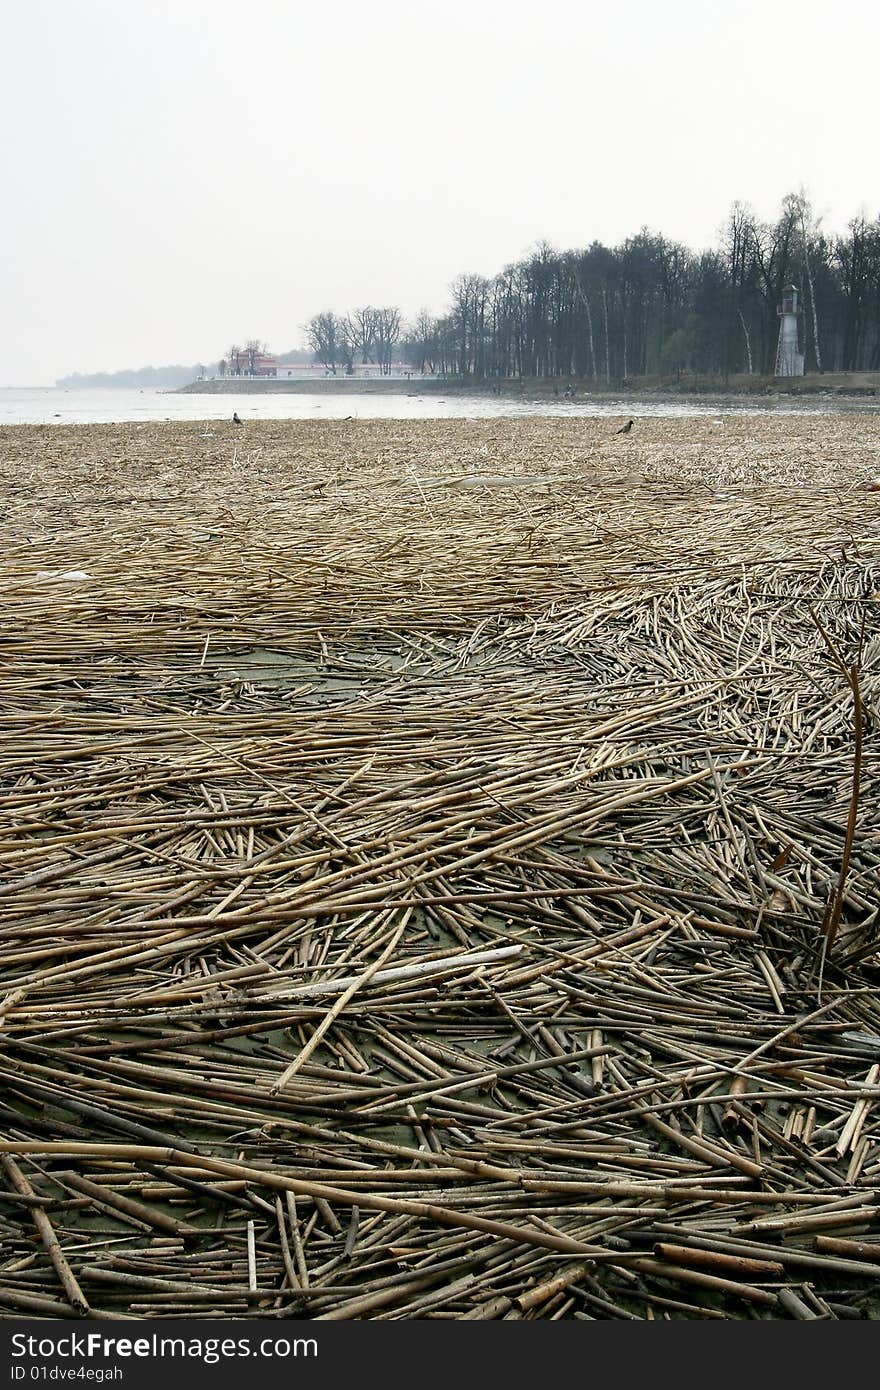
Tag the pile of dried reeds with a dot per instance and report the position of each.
(419, 850)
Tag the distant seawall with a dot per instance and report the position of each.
(329, 385)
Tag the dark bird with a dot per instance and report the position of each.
(625, 429)
(236, 418)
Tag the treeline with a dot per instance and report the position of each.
(170, 376)
(648, 307)
(653, 307)
(137, 377)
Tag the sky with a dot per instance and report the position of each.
(179, 175)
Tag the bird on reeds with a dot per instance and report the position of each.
(625, 429)
(236, 418)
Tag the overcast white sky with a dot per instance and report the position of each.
(181, 174)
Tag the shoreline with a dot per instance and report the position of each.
(830, 385)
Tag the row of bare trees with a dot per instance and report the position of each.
(652, 306)
(366, 335)
(648, 307)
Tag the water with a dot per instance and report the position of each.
(57, 406)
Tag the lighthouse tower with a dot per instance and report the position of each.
(789, 362)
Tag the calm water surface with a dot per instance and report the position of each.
(54, 405)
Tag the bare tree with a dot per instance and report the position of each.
(583, 296)
(773, 250)
(253, 349)
(858, 258)
(325, 334)
(738, 238)
(387, 333)
(420, 342)
(470, 297)
(360, 330)
(809, 226)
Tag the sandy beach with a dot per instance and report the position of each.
(419, 842)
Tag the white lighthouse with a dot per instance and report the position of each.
(789, 362)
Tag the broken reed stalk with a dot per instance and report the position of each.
(852, 815)
(851, 676)
(347, 994)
